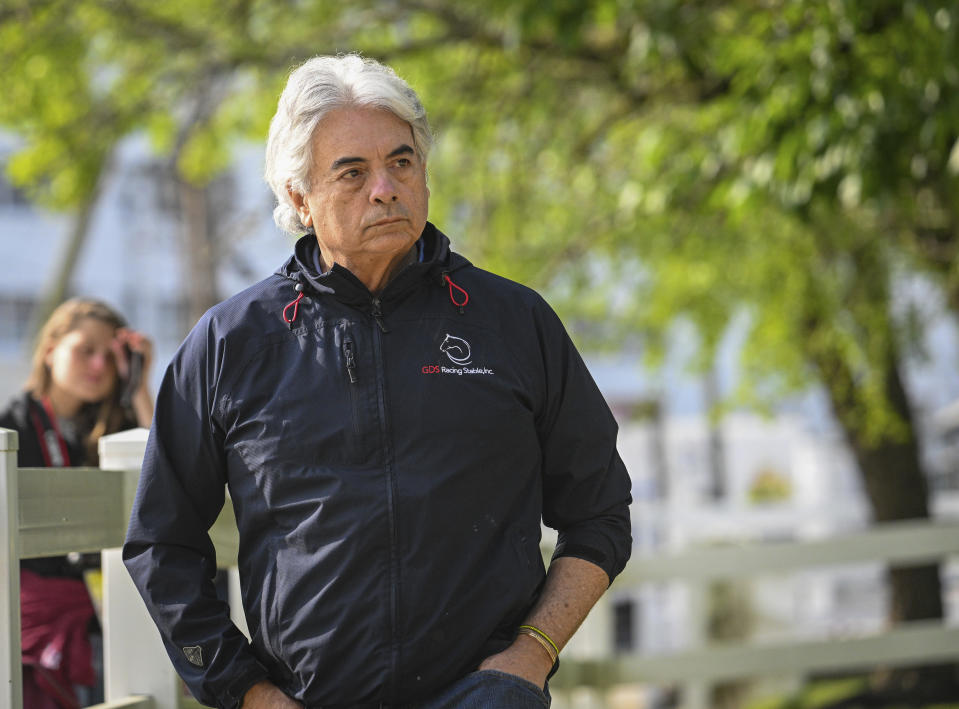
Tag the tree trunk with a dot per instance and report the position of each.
(198, 238)
(58, 288)
(896, 487)
(198, 252)
(717, 449)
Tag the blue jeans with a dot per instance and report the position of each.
(490, 689)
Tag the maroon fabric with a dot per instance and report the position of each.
(36, 694)
(54, 616)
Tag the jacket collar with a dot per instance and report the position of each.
(438, 259)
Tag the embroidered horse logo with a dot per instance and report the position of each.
(457, 349)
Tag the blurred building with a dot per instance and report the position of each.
(782, 483)
(135, 255)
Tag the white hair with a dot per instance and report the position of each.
(315, 88)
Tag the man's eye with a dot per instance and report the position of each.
(404, 162)
(351, 174)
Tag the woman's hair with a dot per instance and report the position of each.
(315, 88)
(96, 419)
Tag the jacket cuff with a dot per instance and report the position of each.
(233, 696)
(597, 551)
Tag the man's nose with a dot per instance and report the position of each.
(383, 188)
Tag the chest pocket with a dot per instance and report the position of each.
(293, 415)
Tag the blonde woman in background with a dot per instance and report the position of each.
(88, 379)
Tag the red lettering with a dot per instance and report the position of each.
(431, 369)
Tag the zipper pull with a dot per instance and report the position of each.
(378, 314)
(350, 360)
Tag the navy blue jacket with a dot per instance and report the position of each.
(389, 461)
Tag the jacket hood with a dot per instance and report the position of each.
(438, 261)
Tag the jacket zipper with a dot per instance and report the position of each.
(350, 355)
(391, 492)
(378, 314)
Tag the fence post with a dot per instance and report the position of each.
(695, 693)
(134, 659)
(236, 600)
(11, 674)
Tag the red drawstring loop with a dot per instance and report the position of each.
(466, 296)
(295, 304)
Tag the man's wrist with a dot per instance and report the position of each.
(533, 654)
(266, 694)
(253, 693)
(542, 639)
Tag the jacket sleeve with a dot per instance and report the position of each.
(586, 488)
(168, 550)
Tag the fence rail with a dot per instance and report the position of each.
(54, 511)
(899, 543)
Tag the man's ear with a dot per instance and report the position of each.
(300, 205)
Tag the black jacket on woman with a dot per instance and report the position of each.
(22, 414)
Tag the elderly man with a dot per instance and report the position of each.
(393, 425)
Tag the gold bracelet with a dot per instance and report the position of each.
(545, 637)
(542, 643)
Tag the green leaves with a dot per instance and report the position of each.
(645, 161)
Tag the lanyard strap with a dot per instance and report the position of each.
(52, 445)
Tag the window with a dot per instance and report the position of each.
(10, 196)
(624, 625)
(15, 313)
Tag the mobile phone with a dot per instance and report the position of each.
(132, 381)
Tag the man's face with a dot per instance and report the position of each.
(368, 198)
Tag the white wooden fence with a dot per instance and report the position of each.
(703, 664)
(50, 511)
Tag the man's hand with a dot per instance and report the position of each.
(524, 658)
(266, 695)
